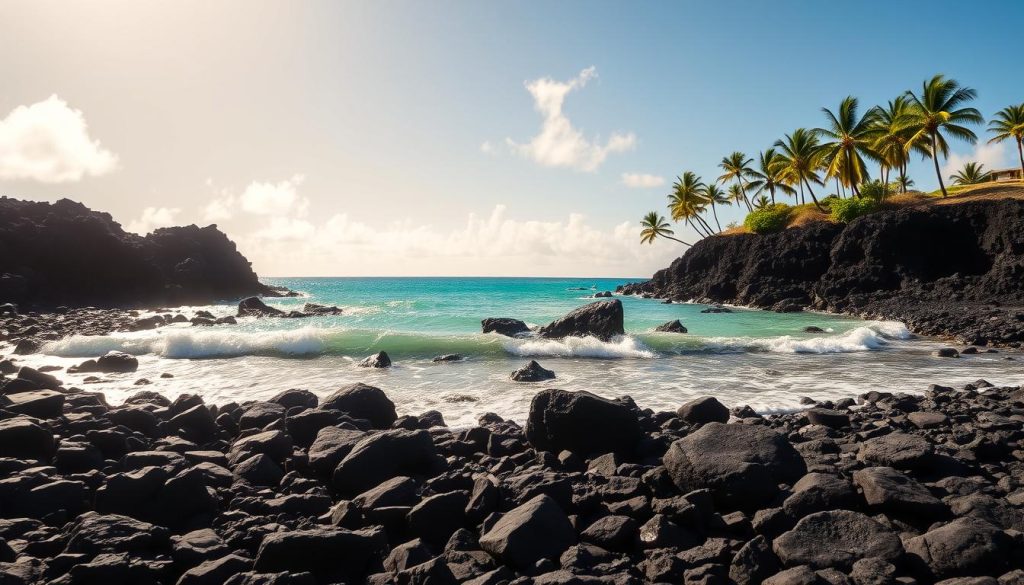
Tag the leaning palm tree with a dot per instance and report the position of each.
(800, 156)
(848, 140)
(687, 202)
(654, 226)
(939, 109)
(715, 196)
(769, 176)
(737, 168)
(972, 173)
(1009, 123)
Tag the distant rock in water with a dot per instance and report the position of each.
(946, 352)
(448, 357)
(377, 360)
(603, 319)
(813, 329)
(504, 326)
(64, 253)
(603, 295)
(254, 307)
(671, 327)
(315, 309)
(716, 309)
(532, 372)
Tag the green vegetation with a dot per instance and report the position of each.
(844, 210)
(972, 173)
(845, 150)
(771, 218)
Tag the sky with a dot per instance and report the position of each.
(451, 137)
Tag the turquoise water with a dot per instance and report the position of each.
(744, 357)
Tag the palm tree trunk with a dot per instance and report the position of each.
(706, 225)
(813, 198)
(715, 213)
(1020, 153)
(744, 192)
(839, 188)
(678, 240)
(696, 227)
(849, 175)
(803, 200)
(772, 188)
(935, 159)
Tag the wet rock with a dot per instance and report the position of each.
(447, 358)
(114, 362)
(536, 530)
(254, 307)
(504, 326)
(741, 464)
(315, 309)
(561, 420)
(377, 360)
(363, 401)
(603, 319)
(532, 372)
(946, 352)
(674, 326)
(837, 538)
(703, 410)
(828, 418)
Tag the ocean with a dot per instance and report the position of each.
(752, 357)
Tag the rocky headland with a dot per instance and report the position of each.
(885, 489)
(65, 254)
(944, 270)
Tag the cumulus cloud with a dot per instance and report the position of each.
(220, 209)
(275, 198)
(559, 144)
(49, 141)
(993, 156)
(490, 244)
(152, 218)
(642, 180)
(487, 148)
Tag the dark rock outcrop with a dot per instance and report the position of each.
(64, 253)
(603, 319)
(946, 270)
(671, 327)
(532, 372)
(504, 326)
(582, 423)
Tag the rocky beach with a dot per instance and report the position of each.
(892, 486)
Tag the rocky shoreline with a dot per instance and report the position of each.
(888, 488)
(949, 271)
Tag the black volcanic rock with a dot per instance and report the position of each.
(582, 423)
(949, 270)
(603, 319)
(671, 327)
(64, 253)
(254, 307)
(504, 326)
(532, 372)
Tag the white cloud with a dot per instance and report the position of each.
(152, 218)
(487, 148)
(275, 198)
(642, 180)
(220, 209)
(48, 141)
(559, 144)
(993, 156)
(492, 244)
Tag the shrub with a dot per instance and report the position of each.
(846, 210)
(768, 219)
(876, 190)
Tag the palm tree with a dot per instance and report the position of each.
(800, 157)
(714, 195)
(1009, 123)
(849, 139)
(770, 175)
(904, 182)
(939, 109)
(687, 201)
(736, 167)
(655, 226)
(761, 202)
(892, 136)
(971, 174)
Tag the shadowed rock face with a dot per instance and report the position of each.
(64, 253)
(603, 319)
(941, 269)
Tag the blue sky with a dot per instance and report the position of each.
(346, 138)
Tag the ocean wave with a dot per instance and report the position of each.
(874, 335)
(623, 346)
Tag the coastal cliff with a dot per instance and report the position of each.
(64, 253)
(949, 270)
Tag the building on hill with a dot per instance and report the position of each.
(1005, 175)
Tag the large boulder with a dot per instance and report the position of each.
(890, 491)
(385, 455)
(504, 326)
(116, 362)
(40, 403)
(674, 326)
(363, 401)
(603, 319)
(380, 359)
(741, 464)
(332, 444)
(964, 547)
(350, 555)
(536, 530)
(899, 450)
(254, 307)
(23, 439)
(582, 423)
(93, 533)
(703, 410)
(837, 539)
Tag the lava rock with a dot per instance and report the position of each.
(504, 326)
(536, 530)
(378, 360)
(363, 401)
(603, 319)
(671, 327)
(703, 410)
(532, 372)
(837, 538)
(582, 423)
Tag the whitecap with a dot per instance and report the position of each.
(623, 346)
